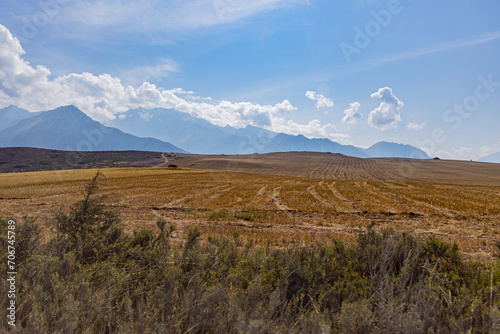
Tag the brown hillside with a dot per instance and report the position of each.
(24, 159)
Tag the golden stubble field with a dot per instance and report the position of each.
(341, 167)
(270, 209)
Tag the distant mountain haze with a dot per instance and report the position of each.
(385, 149)
(11, 115)
(286, 143)
(68, 128)
(199, 136)
(181, 129)
(166, 130)
(495, 157)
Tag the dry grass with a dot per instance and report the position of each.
(268, 208)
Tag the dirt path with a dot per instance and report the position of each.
(260, 197)
(166, 162)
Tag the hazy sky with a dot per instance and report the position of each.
(421, 72)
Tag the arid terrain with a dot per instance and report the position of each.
(316, 196)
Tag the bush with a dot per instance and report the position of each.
(89, 229)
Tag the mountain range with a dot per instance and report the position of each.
(495, 157)
(165, 130)
(11, 115)
(200, 136)
(67, 128)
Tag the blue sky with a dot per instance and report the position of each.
(424, 73)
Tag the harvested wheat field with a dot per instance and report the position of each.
(341, 167)
(270, 209)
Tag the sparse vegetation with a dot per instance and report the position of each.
(89, 276)
(222, 213)
(248, 214)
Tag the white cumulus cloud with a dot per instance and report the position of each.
(487, 150)
(321, 101)
(386, 116)
(415, 126)
(352, 114)
(104, 97)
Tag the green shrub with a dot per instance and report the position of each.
(216, 215)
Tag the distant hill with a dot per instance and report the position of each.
(11, 115)
(68, 128)
(385, 149)
(25, 159)
(288, 143)
(495, 157)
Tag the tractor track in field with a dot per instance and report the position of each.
(394, 205)
(319, 198)
(415, 204)
(216, 195)
(376, 201)
(343, 167)
(277, 202)
(260, 196)
(193, 195)
(348, 205)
